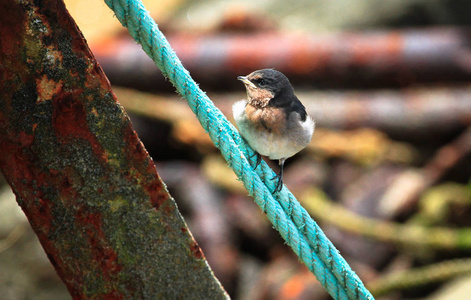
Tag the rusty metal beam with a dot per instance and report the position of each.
(349, 59)
(80, 173)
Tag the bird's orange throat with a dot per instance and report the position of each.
(258, 98)
(270, 119)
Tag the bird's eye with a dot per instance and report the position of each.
(261, 82)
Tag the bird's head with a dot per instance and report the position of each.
(265, 85)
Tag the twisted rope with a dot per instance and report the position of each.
(283, 210)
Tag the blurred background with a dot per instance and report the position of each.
(387, 175)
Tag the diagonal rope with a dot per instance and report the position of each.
(293, 222)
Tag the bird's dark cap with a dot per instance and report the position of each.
(269, 79)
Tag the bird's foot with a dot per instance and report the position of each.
(279, 184)
(259, 160)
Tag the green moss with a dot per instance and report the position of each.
(117, 203)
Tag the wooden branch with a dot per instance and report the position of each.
(80, 173)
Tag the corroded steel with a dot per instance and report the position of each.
(347, 59)
(80, 173)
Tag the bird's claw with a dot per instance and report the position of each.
(279, 184)
(259, 159)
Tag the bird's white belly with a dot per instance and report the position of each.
(273, 145)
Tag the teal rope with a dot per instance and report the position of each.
(293, 222)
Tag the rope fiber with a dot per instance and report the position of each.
(283, 210)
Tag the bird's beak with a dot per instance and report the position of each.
(246, 81)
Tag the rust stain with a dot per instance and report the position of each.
(13, 26)
(103, 253)
(70, 120)
(25, 139)
(113, 295)
(196, 250)
(139, 157)
(47, 88)
(43, 214)
(158, 195)
(11, 154)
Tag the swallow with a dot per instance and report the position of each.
(272, 119)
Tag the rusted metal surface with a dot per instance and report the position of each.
(368, 59)
(79, 171)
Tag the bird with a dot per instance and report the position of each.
(272, 119)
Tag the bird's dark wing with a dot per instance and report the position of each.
(290, 103)
(298, 107)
